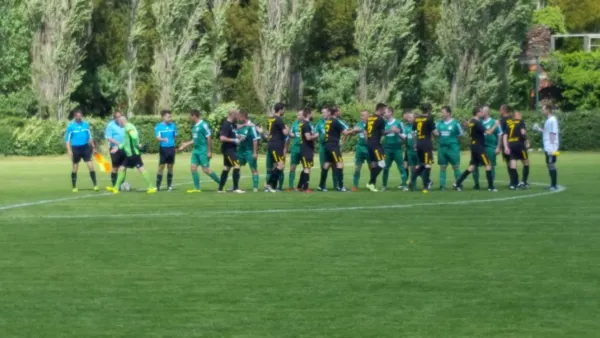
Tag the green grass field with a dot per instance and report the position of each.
(390, 264)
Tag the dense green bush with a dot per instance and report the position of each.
(33, 137)
(577, 75)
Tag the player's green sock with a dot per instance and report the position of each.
(403, 174)
(196, 179)
(214, 177)
(456, 172)
(476, 176)
(120, 179)
(255, 181)
(146, 179)
(386, 176)
(292, 178)
(356, 178)
(443, 178)
(494, 172)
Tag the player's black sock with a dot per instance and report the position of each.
(159, 178)
(169, 179)
(463, 177)
(525, 173)
(300, 185)
(339, 174)
(74, 179)
(306, 181)
(274, 178)
(113, 178)
(553, 177)
(490, 179)
(426, 176)
(514, 177)
(324, 173)
(236, 178)
(374, 174)
(224, 175)
(93, 177)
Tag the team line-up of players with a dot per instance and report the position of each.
(382, 141)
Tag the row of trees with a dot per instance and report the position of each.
(139, 56)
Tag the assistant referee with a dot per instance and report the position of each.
(80, 146)
(166, 133)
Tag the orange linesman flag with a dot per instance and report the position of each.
(102, 163)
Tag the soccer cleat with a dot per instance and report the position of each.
(193, 191)
(255, 189)
(383, 188)
(75, 190)
(230, 190)
(278, 190)
(308, 191)
(239, 191)
(457, 187)
(151, 191)
(429, 185)
(521, 185)
(476, 187)
(371, 187)
(442, 188)
(110, 189)
(342, 189)
(170, 189)
(512, 187)
(321, 189)
(425, 191)
(221, 191)
(354, 189)
(402, 187)
(553, 188)
(492, 190)
(96, 188)
(405, 189)
(269, 189)
(290, 190)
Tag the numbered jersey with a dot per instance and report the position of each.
(477, 133)
(275, 129)
(423, 127)
(306, 144)
(375, 130)
(333, 131)
(514, 130)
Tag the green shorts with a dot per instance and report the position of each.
(411, 158)
(295, 157)
(245, 157)
(361, 156)
(393, 155)
(200, 159)
(449, 156)
(490, 153)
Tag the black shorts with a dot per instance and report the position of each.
(117, 159)
(505, 158)
(134, 161)
(166, 155)
(479, 158)
(307, 158)
(550, 159)
(277, 153)
(376, 153)
(518, 152)
(333, 154)
(425, 154)
(230, 158)
(82, 153)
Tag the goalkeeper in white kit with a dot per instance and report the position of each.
(550, 134)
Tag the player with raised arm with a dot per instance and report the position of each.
(423, 128)
(166, 133)
(334, 129)
(392, 148)
(493, 143)
(202, 152)
(248, 148)
(133, 156)
(478, 157)
(229, 140)
(294, 141)
(308, 135)
(411, 160)
(325, 114)
(516, 144)
(361, 152)
(276, 147)
(550, 135)
(373, 134)
(114, 134)
(80, 146)
(449, 131)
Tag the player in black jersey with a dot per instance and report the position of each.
(277, 132)
(334, 129)
(423, 128)
(504, 115)
(515, 145)
(308, 135)
(373, 134)
(478, 157)
(229, 141)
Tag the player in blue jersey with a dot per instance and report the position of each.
(166, 134)
(80, 146)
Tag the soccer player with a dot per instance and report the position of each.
(478, 157)
(294, 142)
(373, 134)
(423, 128)
(550, 135)
(202, 153)
(276, 147)
(166, 133)
(361, 153)
(248, 148)
(448, 145)
(392, 148)
(80, 146)
(114, 134)
(411, 160)
(325, 114)
(229, 141)
(334, 129)
(133, 156)
(516, 144)
(308, 135)
(504, 115)
(493, 143)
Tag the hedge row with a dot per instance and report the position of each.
(33, 137)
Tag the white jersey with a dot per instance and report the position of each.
(550, 127)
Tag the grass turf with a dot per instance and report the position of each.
(360, 264)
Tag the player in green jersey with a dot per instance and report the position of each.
(133, 156)
(325, 114)
(202, 141)
(248, 147)
(411, 160)
(392, 148)
(449, 131)
(294, 141)
(493, 143)
(361, 154)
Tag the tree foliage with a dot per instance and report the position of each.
(552, 17)
(578, 76)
